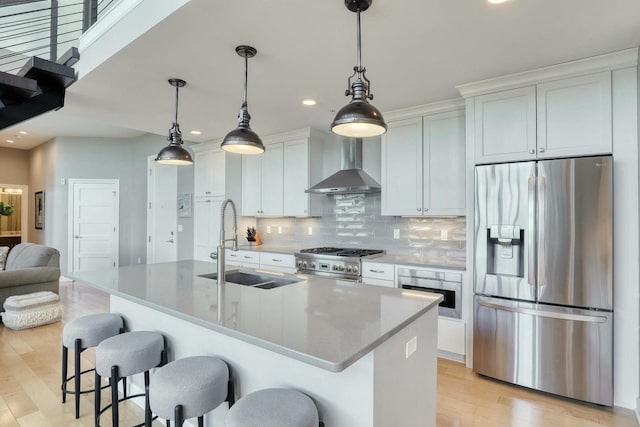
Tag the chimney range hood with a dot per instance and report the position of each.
(351, 178)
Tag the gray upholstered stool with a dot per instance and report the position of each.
(189, 388)
(81, 334)
(274, 407)
(121, 356)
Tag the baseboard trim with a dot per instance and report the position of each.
(637, 411)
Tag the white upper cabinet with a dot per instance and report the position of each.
(251, 185)
(262, 181)
(209, 166)
(505, 126)
(272, 180)
(402, 168)
(564, 110)
(274, 183)
(574, 116)
(423, 166)
(444, 164)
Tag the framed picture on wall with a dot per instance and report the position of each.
(39, 209)
(184, 205)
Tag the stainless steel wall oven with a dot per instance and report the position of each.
(449, 285)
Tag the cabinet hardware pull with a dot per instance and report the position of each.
(542, 149)
(532, 151)
(276, 260)
(419, 209)
(247, 257)
(376, 271)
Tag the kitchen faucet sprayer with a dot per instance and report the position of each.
(221, 247)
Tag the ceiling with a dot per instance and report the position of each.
(415, 51)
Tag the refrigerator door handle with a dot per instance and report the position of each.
(542, 313)
(542, 200)
(531, 249)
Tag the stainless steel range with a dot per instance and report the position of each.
(337, 263)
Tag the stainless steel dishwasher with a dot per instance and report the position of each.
(449, 285)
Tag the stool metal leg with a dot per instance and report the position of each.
(65, 360)
(124, 387)
(76, 355)
(178, 416)
(96, 410)
(114, 396)
(231, 394)
(201, 421)
(147, 407)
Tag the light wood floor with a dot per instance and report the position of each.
(30, 386)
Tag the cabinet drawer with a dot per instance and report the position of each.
(375, 270)
(244, 257)
(277, 260)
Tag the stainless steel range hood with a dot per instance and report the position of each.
(351, 178)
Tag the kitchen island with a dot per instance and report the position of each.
(366, 355)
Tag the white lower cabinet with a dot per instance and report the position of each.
(378, 274)
(240, 258)
(284, 263)
(451, 338)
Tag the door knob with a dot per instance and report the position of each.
(170, 241)
(77, 237)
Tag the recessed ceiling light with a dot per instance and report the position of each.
(10, 141)
(195, 132)
(22, 132)
(497, 1)
(308, 102)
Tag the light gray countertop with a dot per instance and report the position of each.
(326, 323)
(413, 260)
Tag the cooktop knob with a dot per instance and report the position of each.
(313, 265)
(304, 264)
(355, 269)
(341, 268)
(334, 267)
(349, 269)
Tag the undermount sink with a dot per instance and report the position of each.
(255, 280)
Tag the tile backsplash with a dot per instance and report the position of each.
(354, 220)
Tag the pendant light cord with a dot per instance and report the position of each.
(176, 119)
(359, 48)
(246, 79)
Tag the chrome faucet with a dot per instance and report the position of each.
(220, 279)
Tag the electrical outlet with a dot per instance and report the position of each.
(411, 347)
(180, 227)
(396, 233)
(279, 230)
(310, 231)
(444, 235)
(268, 229)
(138, 260)
(63, 181)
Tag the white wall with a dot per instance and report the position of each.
(102, 158)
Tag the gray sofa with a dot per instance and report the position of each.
(30, 268)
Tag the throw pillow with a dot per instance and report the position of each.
(4, 251)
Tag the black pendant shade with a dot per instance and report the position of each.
(243, 140)
(174, 153)
(359, 119)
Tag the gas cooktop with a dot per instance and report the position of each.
(343, 252)
(339, 263)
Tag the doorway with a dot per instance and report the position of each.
(14, 226)
(162, 212)
(94, 223)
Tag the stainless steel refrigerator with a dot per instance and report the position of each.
(543, 303)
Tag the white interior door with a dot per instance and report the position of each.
(94, 228)
(162, 212)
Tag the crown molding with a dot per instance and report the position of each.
(610, 61)
(425, 109)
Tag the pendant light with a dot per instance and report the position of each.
(359, 119)
(242, 140)
(174, 153)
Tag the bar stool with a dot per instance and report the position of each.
(121, 356)
(81, 334)
(274, 407)
(189, 388)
